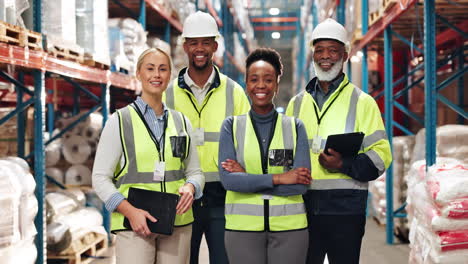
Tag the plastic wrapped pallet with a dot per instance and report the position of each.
(67, 228)
(134, 38)
(118, 58)
(59, 22)
(10, 188)
(18, 209)
(11, 10)
(8, 11)
(452, 142)
(443, 247)
(92, 28)
(379, 203)
(438, 212)
(183, 8)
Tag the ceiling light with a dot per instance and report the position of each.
(355, 59)
(274, 11)
(244, 36)
(275, 35)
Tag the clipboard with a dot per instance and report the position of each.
(160, 205)
(347, 144)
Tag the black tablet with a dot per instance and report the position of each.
(160, 205)
(347, 144)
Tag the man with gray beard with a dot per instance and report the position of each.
(337, 197)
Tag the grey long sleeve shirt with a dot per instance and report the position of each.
(261, 183)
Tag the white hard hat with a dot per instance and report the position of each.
(200, 25)
(330, 29)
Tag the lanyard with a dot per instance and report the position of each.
(153, 137)
(319, 119)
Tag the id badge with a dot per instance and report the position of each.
(280, 157)
(199, 136)
(267, 196)
(158, 173)
(316, 144)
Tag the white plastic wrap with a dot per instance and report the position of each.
(134, 38)
(78, 175)
(67, 228)
(447, 182)
(8, 11)
(58, 20)
(23, 252)
(59, 204)
(92, 29)
(428, 214)
(428, 247)
(452, 141)
(53, 152)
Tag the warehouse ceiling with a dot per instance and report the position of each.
(267, 23)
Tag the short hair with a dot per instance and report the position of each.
(266, 54)
(150, 50)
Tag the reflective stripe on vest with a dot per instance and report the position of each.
(134, 132)
(245, 211)
(133, 175)
(333, 123)
(208, 152)
(229, 98)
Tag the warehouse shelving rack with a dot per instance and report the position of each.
(40, 66)
(390, 19)
(228, 25)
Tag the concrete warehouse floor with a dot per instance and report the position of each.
(374, 249)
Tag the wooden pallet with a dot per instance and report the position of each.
(374, 16)
(19, 36)
(357, 35)
(65, 52)
(91, 244)
(91, 61)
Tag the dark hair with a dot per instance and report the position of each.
(266, 54)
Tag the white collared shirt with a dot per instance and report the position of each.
(199, 92)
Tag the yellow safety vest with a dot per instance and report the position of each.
(350, 110)
(141, 155)
(222, 101)
(245, 211)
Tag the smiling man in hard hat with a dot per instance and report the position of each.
(337, 197)
(206, 96)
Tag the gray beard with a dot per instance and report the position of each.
(330, 74)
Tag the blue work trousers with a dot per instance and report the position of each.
(211, 222)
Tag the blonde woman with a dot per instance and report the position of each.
(138, 141)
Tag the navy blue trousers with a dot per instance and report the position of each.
(209, 221)
(337, 236)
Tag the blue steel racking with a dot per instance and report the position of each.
(431, 87)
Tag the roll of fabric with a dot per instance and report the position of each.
(59, 204)
(93, 130)
(76, 150)
(78, 175)
(56, 173)
(53, 152)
